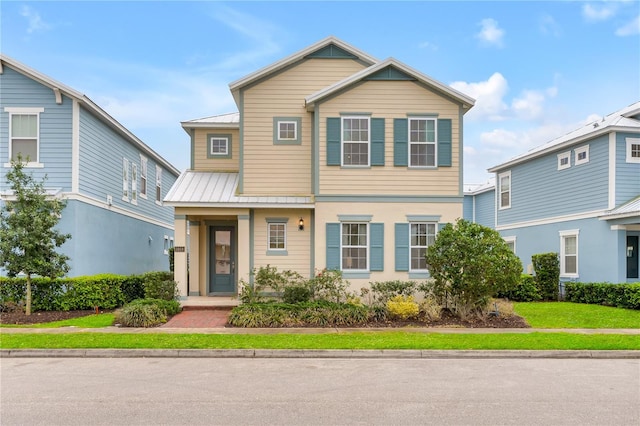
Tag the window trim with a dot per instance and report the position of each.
(126, 177)
(276, 250)
(411, 246)
(573, 233)
(434, 143)
(581, 150)
(229, 142)
(500, 176)
(134, 183)
(367, 247)
(24, 111)
(158, 185)
(165, 247)
(562, 156)
(277, 140)
(368, 142)
(143, 177)
(630, 142)
(509, 240)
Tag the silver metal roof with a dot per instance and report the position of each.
(212, 189)
(629, 209)
(232, 117)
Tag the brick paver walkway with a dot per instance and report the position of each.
(199, 318)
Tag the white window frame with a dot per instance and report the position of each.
(511, 240)
(630, 143)
(158, 185)
(367, 142)
(269, 235)
(418, 246)
(426, 143)
(366, 247)
(134, 183)
(581, 150)
(564, 156)
(295, 130)
(125, 179)
(25, 111)
(165, 247)
(226, 146)
(574, 233)
(144, 183)
(171, 243)
(500, 191)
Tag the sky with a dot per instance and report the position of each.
(536, 69)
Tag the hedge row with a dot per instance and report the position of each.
(106, 291)
(619, 295)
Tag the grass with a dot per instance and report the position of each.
(354, 340)
(576, 315)
(89, 321)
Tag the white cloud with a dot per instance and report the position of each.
(549, 26)
(490, 34)
(36, 23)
(530, 104)
(631, 28)
(488, 95)
(599, 12)
(428, 45)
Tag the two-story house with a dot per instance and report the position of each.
(334, 160)
(114, 184)
(577, 195)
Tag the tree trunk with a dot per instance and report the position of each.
(27, 310)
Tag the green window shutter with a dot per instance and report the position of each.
(400, 142)
(333, 141)
(333, 246)
(444, 142)
(377, 141)
(402, 246)
(377, 246)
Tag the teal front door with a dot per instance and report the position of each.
(222, 261)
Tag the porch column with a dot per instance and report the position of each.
(180, 255)
(194, 258)
(244, 243)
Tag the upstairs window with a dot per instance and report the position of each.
(564, 160)
(287, 130)
(134, 183)
(355, 141)
(125, 180)
(219, 146)
(24, 130)
(158, 185)
(582, 155)
(143, 176)
(504, 192)
(633, 150)
(422, 142)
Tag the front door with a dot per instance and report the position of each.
(222, 262)
(632, 256)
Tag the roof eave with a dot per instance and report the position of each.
(240, 205)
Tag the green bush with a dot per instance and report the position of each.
(160, 285)
(170, 307)
(140, 315)
(403, 307)
(384, 291)
(328, 285)
(312, 314)
(525, 291)
(547, 269)
(296, 294)
(618, 295)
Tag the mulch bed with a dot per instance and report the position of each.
(18, 317)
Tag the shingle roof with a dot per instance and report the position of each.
(213, 189)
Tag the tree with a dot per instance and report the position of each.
(28, 238)
(471, 263)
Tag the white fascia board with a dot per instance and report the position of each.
(190, 125)
(547, 221)
(241, 205)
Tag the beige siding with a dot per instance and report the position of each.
(389, 100)
(387, 213)
(298, 242)
(284, 169)
(201, 162)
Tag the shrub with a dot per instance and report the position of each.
(296, 294)
(384, 291)
(547, 269)
(140, 315)
(470, 263)
(620, 295)
(403, 307)
(329, 285)
(431, 309)
(160, 285)
(268, 278)
(169, 307)
(525, 291)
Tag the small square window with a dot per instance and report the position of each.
(582, 155)
(219, 146)
(633, 150)
(286, 130)
(564, 160)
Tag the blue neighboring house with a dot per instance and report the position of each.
(577, 195)
(114, 184)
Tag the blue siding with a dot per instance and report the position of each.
(55, 127)
(627, 174)
(467, 208)
(107, 242)
(101, 153)
(485, 208)
(539, 190)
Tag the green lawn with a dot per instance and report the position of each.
(351, 340)
(90, 321)
(576, 315)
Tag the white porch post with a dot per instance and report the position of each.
(194, 258)
(244, 242)
(180, 255)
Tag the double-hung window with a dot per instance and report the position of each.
(24, 130)
(422, 236)
(504, 185)
(569, 253)
(158, 185)
(422, 142)
(143, 176)
(355, 141)
(134, 183)
(355, 246)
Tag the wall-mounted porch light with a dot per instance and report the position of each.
(301, 224)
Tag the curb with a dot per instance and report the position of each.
(320, 353)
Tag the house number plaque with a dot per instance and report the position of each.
(179, 249)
